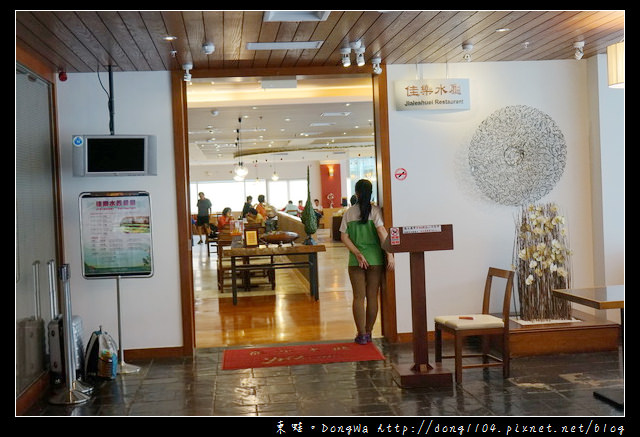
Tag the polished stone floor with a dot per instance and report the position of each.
(556, 385)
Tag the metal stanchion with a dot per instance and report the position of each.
(74, 392)
(123, 368)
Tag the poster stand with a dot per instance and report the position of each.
(116, 243)
(416, 240)
(123, 368)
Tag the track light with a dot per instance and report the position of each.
(208, 48)
(377, 69)
(467, 47)
(186, 67)
(345, 53)
(579, 46)
(358, 48)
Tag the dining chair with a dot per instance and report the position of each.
(483, 324)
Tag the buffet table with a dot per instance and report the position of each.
(246, 253)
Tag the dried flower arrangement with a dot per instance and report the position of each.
(541, 262)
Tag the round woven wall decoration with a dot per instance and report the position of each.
(517, 155)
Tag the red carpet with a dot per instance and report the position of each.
(297, 355)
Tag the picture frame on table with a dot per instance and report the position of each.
(251, 238)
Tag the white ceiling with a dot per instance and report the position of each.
(322, 118)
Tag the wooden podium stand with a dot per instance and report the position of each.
(416, 240)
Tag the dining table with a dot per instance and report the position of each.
(280, 256)
(601, 298)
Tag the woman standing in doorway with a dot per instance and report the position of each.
(362, 231)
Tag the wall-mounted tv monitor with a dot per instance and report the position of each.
(114, 155)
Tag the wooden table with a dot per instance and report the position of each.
(262, 251)
(601, 298)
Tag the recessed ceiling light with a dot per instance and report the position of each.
(170, 38)
(335, 114)
(503, 29)
(295, 15)
(318, 124)
(284, 45)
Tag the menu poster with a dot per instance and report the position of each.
(115, 234)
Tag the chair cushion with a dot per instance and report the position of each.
(471, 321)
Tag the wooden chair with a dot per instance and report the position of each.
(224, 264)
(212, 242)
(483, 325)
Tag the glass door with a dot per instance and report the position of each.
(35, 219)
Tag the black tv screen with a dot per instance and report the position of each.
(114, 155)
(106, 155)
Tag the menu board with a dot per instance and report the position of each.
(115, 234)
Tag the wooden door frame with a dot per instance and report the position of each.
(181, 157)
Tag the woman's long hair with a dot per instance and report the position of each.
(363, 190)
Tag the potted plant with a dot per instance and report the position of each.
(308, 217)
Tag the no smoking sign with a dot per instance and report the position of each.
(400, 174)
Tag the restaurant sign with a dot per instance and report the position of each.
(430, 94)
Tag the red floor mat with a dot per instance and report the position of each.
(299, 354)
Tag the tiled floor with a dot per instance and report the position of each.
(558, 385)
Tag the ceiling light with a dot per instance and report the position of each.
(284, 45)
(358, 48)
(240, 170)
(345, 53)
(335, 114)
(375, 62)
(208, 48)
(579, 46)
(186, 67)
(295, 15)
(467, 47)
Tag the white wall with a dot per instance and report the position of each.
(607, 152)
(150, 307)
(433, 147)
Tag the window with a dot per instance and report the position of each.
(278, 194)
(362, 168)
(233, 194)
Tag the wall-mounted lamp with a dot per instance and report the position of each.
(330, 167)
(615, 65)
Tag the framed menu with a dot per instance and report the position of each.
(115, 234)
